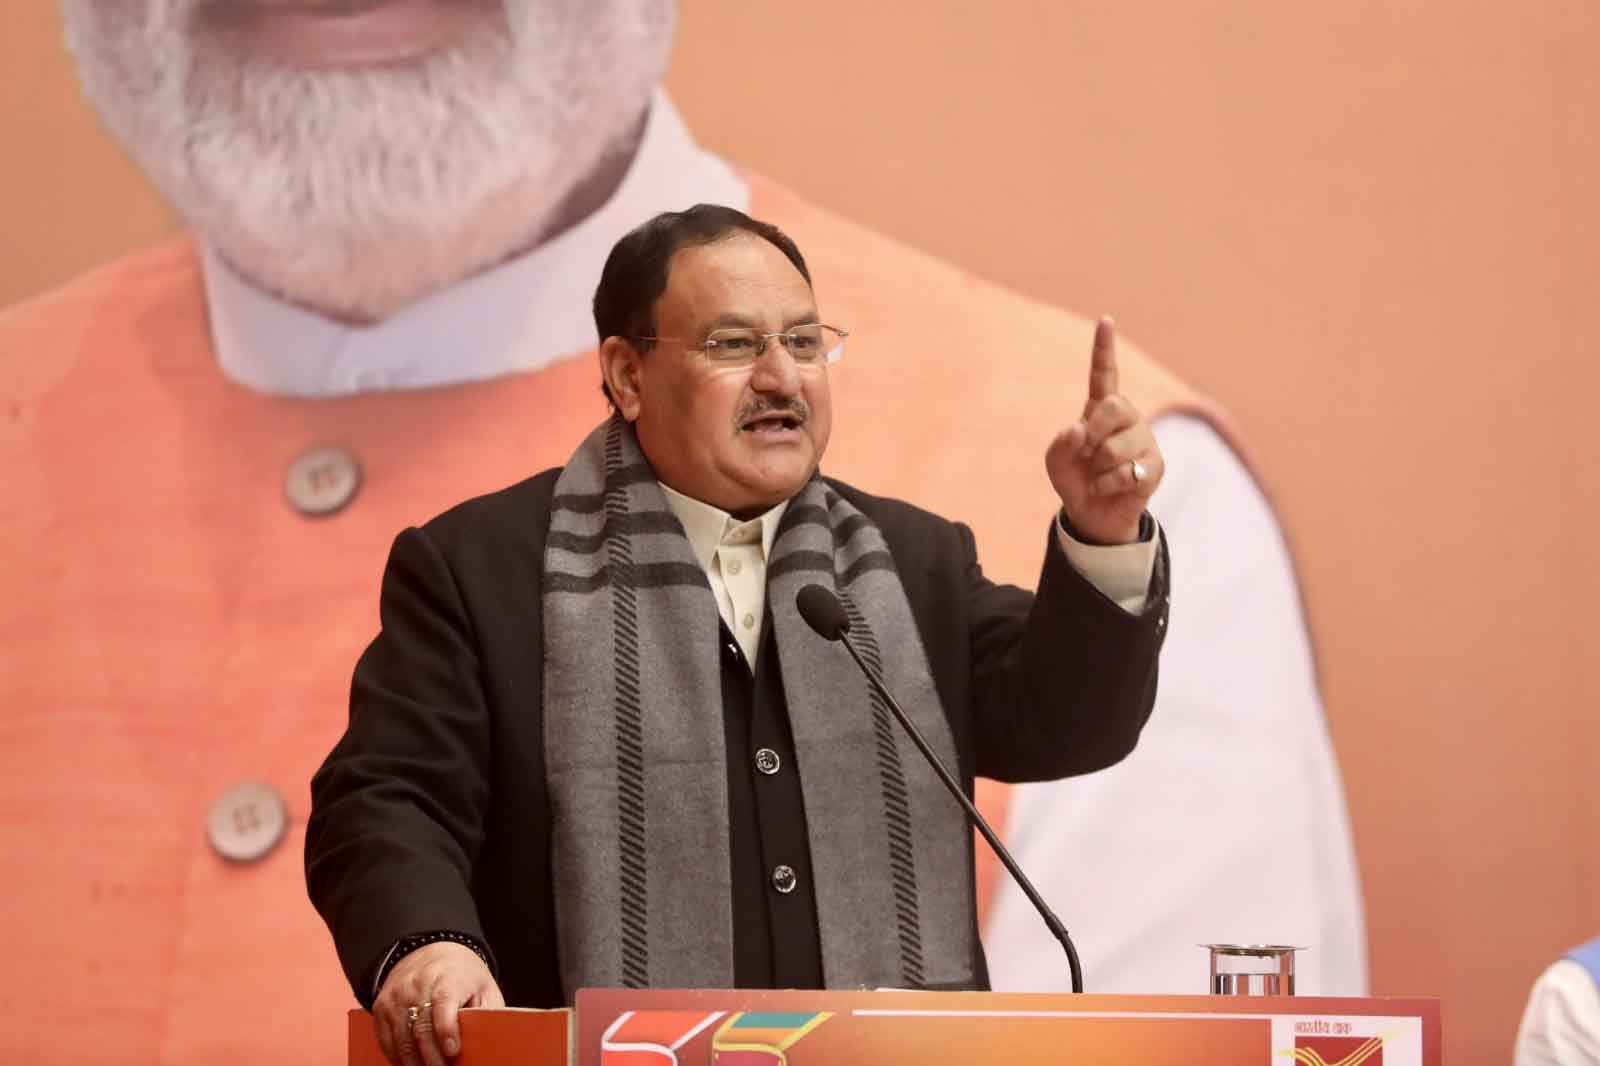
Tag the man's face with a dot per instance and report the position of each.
(742, 440)
(326, 144)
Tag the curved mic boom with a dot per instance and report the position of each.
(826, 616)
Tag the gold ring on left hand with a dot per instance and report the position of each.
(416, 1013)
(1138, 470)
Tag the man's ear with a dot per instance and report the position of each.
(620, 368)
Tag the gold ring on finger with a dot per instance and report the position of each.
(415, 1014)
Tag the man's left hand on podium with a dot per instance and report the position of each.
(417, 1010)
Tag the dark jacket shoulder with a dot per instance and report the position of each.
(516, 509)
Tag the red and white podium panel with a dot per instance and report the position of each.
(660, 1027)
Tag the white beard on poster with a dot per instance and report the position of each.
(356, 189)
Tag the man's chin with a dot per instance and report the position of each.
(363, 278)
(762, 494)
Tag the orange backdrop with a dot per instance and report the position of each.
(1370, 229)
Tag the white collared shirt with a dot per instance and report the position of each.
(523, 315)
(734, 556)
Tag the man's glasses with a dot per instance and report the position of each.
(808, 345)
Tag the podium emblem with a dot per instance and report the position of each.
(747, 1038)
(1338, 1050)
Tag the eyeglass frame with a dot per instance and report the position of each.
(764, 338)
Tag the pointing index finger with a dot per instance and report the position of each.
(1102, 363)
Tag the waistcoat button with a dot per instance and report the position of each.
(247, 821)
(322, 480)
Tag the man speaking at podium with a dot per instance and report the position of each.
(595, 744)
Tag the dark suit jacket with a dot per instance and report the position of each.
(432, 813)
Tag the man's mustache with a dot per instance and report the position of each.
(795, 407)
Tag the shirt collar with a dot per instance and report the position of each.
(708, 527)
(523, 315)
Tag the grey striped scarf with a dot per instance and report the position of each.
(634, 745)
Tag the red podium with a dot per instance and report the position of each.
(619, 1027)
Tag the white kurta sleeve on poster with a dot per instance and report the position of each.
(1561, 1024)
(1228, 821)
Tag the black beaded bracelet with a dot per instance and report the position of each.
(407, 945)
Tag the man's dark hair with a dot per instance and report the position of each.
(635, 273)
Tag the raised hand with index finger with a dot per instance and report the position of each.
(1106, 465)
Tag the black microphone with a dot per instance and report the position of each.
(826, 615)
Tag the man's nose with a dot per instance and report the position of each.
(775, 370)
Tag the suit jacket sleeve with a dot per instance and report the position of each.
(1064, 680)
(1036, 686)
(399, 806)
